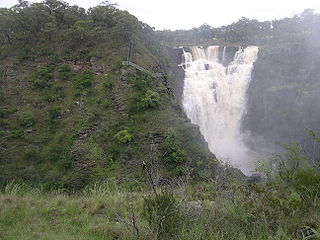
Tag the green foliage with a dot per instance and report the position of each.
(65, 72)
(4, 122)
(26, 119)
(4, 114)
(105, 103)
(307, 181)
(142, 97)
(118, 66)
(295, 170)
(151, 99)
(142, 81)
(84, 79)
(58, 154)
(69, 45)
(123, 136)
(162, 212)
(32, 154)
(15, 134)
(95, 152)
(43, 78)
(173, 153)
(54, 113)
(25, 54)
(108, 84)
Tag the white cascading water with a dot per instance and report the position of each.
(214, 98)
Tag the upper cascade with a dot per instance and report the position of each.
(214, 98)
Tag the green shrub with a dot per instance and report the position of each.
(54, 113)
(25, 54)
(65, 72)
(84, 80)
(173, 153)
(45, 52)
(26, 119)
(43, 78)
(39, 83)
(307, 182)
(54, 59)
(58, 153)
(117, 66)
(123, 136)
(161, 210)
(15, 134)
(108, 84)
(4, 122)
(3, 113)
(105, 103)
(142, 81)
(95, 152)
(151, 99)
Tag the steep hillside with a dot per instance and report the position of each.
(71, 112)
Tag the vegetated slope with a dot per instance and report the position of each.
(71, 113)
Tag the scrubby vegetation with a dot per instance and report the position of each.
(72, 114)
(219, 208)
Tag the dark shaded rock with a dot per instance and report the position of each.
(228, 55)
(254, 178)
(176, 73)
(283, 96)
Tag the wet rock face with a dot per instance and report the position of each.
(226, 54)
(283, 96)
(176, 73)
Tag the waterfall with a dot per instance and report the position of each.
(224, 54)
(214, 98)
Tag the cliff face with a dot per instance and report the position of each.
(176, 72)
(284, 94)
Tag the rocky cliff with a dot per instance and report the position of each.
(284, 94)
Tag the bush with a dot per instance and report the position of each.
(26, 119)
(117, 66)
(172, 151)
(162, 213)
(307, 182)
(25, 54)
(123, 136)
(105, 103)
(15, 134)
(58, 153)
(4, 122)
(108, 84)
(43, 78)
(151, 99)
(84, 80)
(54, 113)
(65, 72)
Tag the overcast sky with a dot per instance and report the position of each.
(186, 14)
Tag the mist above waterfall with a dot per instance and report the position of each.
(214, 98)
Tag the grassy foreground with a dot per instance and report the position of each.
(210, 210)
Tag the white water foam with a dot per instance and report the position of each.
(214, 98)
